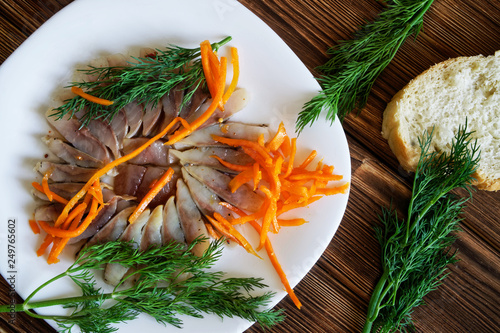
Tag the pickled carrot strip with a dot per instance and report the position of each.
(56, 197)
(271, 254)
(236, 74)
(160, 183)
(78, 91)
(45, 244)
(34, 226)
(45, 185)
(232, 230)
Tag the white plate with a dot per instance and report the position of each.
(279, 85)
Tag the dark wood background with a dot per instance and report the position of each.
(336, 291)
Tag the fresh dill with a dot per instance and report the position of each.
(416, 251)
(186, 287)
(348, 76)
(145, 80)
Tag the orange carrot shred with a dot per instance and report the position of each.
(45, 185)
(78, 91)
(245, 143)
(293, 151)
(55, 197)
(34, 226)
(73, 214)
(62, 233)
(205, 51)
(278, 138)
(211, 231)
(308, 160)
(165, 178)
(240, 179)
(257, 175)
(271, 254)
(231, 166)
(291, 222)
(221, 229)
(277, 267)
(236, 73)
(232, 230)
(334, 190)
(45, 244)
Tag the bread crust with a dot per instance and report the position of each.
(404, 146)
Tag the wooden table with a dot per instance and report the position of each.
(336, 291)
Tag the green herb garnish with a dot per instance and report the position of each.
(348, 76)
(146, 80)
(415, 251)
(188, 288)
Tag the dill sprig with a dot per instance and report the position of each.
(146, 80)
(169, 281)
(416, 251)
(348, 76)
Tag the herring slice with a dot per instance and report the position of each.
(191, 221)
(65, 173)
(206, 200)
(152, 230)
(203, 156)
(114, 273)
(244, 197)
(171, 230)
(70, 154)
(113, 229)
(234, 130)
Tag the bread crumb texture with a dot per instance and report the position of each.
(441, 99)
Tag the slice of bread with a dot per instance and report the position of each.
(443, 97)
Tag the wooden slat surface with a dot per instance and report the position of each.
(336, 291)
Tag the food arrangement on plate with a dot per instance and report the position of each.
(144, 154)
(150, 179)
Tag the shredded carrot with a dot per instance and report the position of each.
(160, 183)
(278, 138)
(205, 48)
(291, 206)
(308, 160)
(257, 175)
(315, 175)
(56, 247)
(220, 228)
(236, 73)
(334, 190)
(60, 243)
(291, 222)
(55, 197)
(78, 91)
(262, 142)
(73, 214)
(245, 143)
(232, 166)
(45, 185)
(211, 231)
(59, 232)
(45, 244)
(293, 151)
(96, 191)
(240, 179)
(232, 230)
(34, 226)
(271, 254)
(277, 266)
